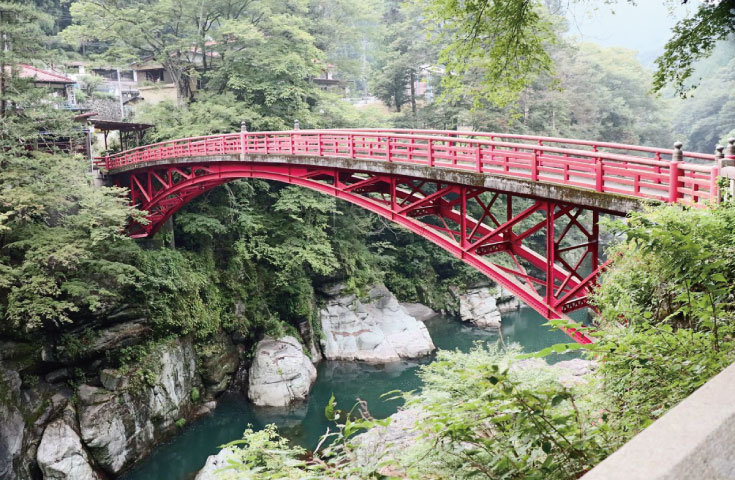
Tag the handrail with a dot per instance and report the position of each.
(537, 138)
(612, 172)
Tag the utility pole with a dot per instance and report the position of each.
(120, 97)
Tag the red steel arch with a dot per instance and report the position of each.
(520, 240)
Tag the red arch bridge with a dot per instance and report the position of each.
(523, 210)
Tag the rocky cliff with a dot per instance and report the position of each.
(84, 419)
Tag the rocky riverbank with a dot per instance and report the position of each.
(91, 405)
(72, 409)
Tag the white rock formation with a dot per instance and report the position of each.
(280, 374)
(479, 307)
(61, 455)
(377, 331)
(212, 470)
(121, 426)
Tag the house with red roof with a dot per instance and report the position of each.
(59, 85)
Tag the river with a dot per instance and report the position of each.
(185, 454)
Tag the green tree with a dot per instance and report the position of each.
(693, 38)
(347, 33)
(510, 41)
(504, 42)
(404, 55)
(267, 57)
(707, 116)
(63, 253)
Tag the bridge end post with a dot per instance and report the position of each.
(727, 165)
(730, 154)
(676, 159)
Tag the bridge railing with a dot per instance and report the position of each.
(643, 172)
(621, 148)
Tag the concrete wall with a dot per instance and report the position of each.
(694, 440)
(158, 93)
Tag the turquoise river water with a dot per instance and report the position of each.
(185, 454)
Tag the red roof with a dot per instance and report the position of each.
(39, 75)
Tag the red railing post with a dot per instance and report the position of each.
(478, 158)
(714, 196)
(534, 165)
(599, 179)
(674, 173)
(319, 144)
(388, 144)
(351, 140)
(243, 139)
(107, 162)
(431, 153)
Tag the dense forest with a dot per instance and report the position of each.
(248, 258)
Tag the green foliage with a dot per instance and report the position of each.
(63, 252)
(74, 345)
(194, 395)
(671, 285)
(180, 423)
(405, 54)
(180, 294)
(488, 418)
(647, 369)
(693, 38)
(209, 114)
(675, 269)
(706, 117)
(504, 43)
(263, 454)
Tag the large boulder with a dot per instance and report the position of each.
(505, 300)
(121, 424)
(280, 373)
(378, 330)
(61, 454)
(479, 307)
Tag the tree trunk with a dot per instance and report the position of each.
(182, 81)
